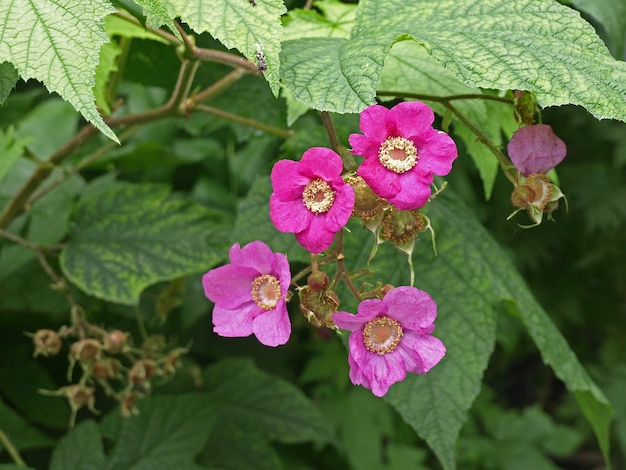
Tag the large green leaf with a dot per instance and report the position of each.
(81, 448)
(8, 79)
(130, 236)
(536, 45)
(58, 43)
(259, 403)
(471, 280)
(167, 433)
(10, 150)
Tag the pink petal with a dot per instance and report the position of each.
(383, 372)
(272, 327)
(429, 349)
(348, 321)
(229, 286)
(535, 149)
(364, 146)
(411, 307)
(282, 271)
(234, 323)
(316, 237)
(321, 162)
(372, 122)
(289, 216)
(410, 118)
(414, 192)
(256, 255)
(287, 182)
(382, 181)
(371, 308)
(437, 154)
(339, 214)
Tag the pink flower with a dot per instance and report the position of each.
(402, 152)
(535, 149)
(391, 337)
(310, 198)
(249, 294)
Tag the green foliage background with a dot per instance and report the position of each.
(533, 320)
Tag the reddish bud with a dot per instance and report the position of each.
(318, 281)
(115, 341)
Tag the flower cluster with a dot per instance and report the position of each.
(314, 198)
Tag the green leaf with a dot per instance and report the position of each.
(263, 404)
(81, 448)
(10, 150)
(58, 44)
(8, 79)
(470, 279)
(535, 45)
(239, 24)
(159, 13)
(22, 434)
(612, 16)
(167, 433)
(130, 236)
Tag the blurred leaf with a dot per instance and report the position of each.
(20, 378)
(129, 237)
(51, 124)
(23, 435)
(262, 404)
(10, 150)
(230, 448)
(81, 449)
(253, 223)
(8, 79)
(167, 434)
(106, 66)
(612, 16)
(482, 47)
(58, 44)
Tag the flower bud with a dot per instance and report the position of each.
(79, 395)
(318, 280)
(46, 342)
(525, 107)
(85, 350)
(105, 369)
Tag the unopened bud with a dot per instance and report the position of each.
(105, 369)
(318, 280)
(115, 341)
(142, 371)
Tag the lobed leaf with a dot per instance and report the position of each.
(535, 45)
(470, 279)
(128, 237)
(58, 43)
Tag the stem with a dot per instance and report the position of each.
(245, 121)
(13, 452)
(342, 273)
(330, 130)
(222, 84)
(221, 57)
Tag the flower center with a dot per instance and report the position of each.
(382, 335)
(318, 196)
(397, 154)
(266, 291)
